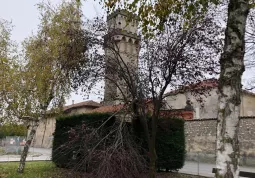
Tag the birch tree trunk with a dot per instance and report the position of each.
(232, 68)
(27, 146)
(32, 133)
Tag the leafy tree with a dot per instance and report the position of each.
(231, 62)
(7, 65)
(12, 129)
(154, 14)
(51, 57)
(177, 56)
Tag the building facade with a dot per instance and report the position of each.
(44, 133)
(204, 100)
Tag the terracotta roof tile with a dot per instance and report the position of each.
(203, 85)
(107, 109)
(83, 104)
(248, 92)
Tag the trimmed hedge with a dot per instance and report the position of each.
(170, 144)
(10, 129)
(170, 140)
(62, 154)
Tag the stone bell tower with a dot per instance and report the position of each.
(123, 37)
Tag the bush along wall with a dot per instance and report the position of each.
(170, 144)
(70, 134)
(11, 129)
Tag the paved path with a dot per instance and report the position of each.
(35, 154)
(7, 158)
(190, 167)
(205, 169)
(44, 151)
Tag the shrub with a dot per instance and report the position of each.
(11, 129)
(74, 139)
(170, 144)
(68, 137)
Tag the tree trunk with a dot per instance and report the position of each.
(33, 131)
(153, 153)
(26, 147)
(232, 67)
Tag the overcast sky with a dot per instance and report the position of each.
(24, 16)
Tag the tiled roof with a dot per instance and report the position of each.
(83, 104)
(203, 85)
(107, 109)
(248, 92)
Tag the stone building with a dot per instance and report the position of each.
(200, 132)
(204, 99)
(44, 133)
(122, 50)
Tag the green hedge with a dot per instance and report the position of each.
(63, 154)
(170, 144)
(10, 129)
(170, 141)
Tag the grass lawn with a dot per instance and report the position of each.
(46, 169)
(2, 151)
(35, 169)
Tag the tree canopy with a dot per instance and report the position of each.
(154, 14)
(51, 58)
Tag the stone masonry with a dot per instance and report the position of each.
(201, 139)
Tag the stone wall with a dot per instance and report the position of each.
(201, 138)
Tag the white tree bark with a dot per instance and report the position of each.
(27, 146)
(33, 132)
(232, 67)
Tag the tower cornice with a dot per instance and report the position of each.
(121, 32)
(123, 13)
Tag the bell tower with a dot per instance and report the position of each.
(121, 52)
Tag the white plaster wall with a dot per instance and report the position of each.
(80, 110)
(208, 107)
(177, 101)
(44, 133)
(46, 128)
(247, 105)
(205, 106)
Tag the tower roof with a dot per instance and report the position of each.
(122, 23)
(122, 12)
